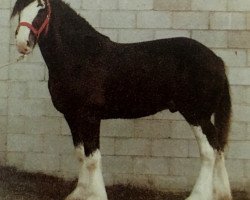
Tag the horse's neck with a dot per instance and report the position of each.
(66, 35)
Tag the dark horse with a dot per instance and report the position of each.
(92, 78)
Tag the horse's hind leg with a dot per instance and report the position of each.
(85, 132)
(203, 189)
(221, 184)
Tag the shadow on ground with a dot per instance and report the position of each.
(15, 185)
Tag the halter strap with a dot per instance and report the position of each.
(44, 26)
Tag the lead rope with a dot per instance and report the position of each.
(14, 62)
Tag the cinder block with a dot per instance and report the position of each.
(118, 19)
(3, 124)
(233, 57)
(228, 21)
(65, 130)
(93, 17)
(3, 89)
(170, 148)
(108, 179)
(5, 17)
(99, 4)
(15, 159)
(238, 39)
(3, 106)
(16, 124)
(152, 128)
(193, 150)
(117, 164)
(41, 162)
(43, 125)
(5, 4)
(107, 146)
(172, 5)
(75, 4)
(27, 72)
(151, 166)
(25, 143)
(3, 142)
(117, 128)
(135, 35)
(161, 34)
(241, 113)
(166, 114)
(124, 146)
(238, 5)
(18, 89)
(239, 76)
(190, 20)
(216, 39)
(154, 19)
(16, 106)
(247, 95)
(184, 166)
(181, 130)
(50, 110)
(69, 162)
(111, 33)
(238, 131)
(235, 169)
(211, 5)
(239, 149)
(58, 144)
(5, 35)
(2, 158)
(238, 94)
(34, 107)
(4, 51)
(136, 4)
(34, 57)
(247, 168)
(38, 89)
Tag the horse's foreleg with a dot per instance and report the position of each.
(90, 184)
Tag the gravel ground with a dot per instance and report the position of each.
(15, 185)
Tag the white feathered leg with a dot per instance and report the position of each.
(203, 189)
(90, 184)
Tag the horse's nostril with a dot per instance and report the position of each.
(28, 43)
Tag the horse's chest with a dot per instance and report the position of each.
(64, 96)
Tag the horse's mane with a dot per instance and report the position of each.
(19, 6)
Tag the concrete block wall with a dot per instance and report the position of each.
(157, 151)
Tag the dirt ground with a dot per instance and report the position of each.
(16, 185)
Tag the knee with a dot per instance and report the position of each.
(93, 161)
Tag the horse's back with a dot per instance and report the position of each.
(148, 77)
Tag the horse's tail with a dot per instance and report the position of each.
(223, 115)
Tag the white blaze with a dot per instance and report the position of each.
(28, 14)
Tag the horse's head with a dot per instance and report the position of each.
(34, 16)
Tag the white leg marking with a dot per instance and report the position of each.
(90, 184)
(203, 189)
(221, 185)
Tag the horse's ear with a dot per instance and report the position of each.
(92, 45)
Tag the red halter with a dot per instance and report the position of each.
(44, 26)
